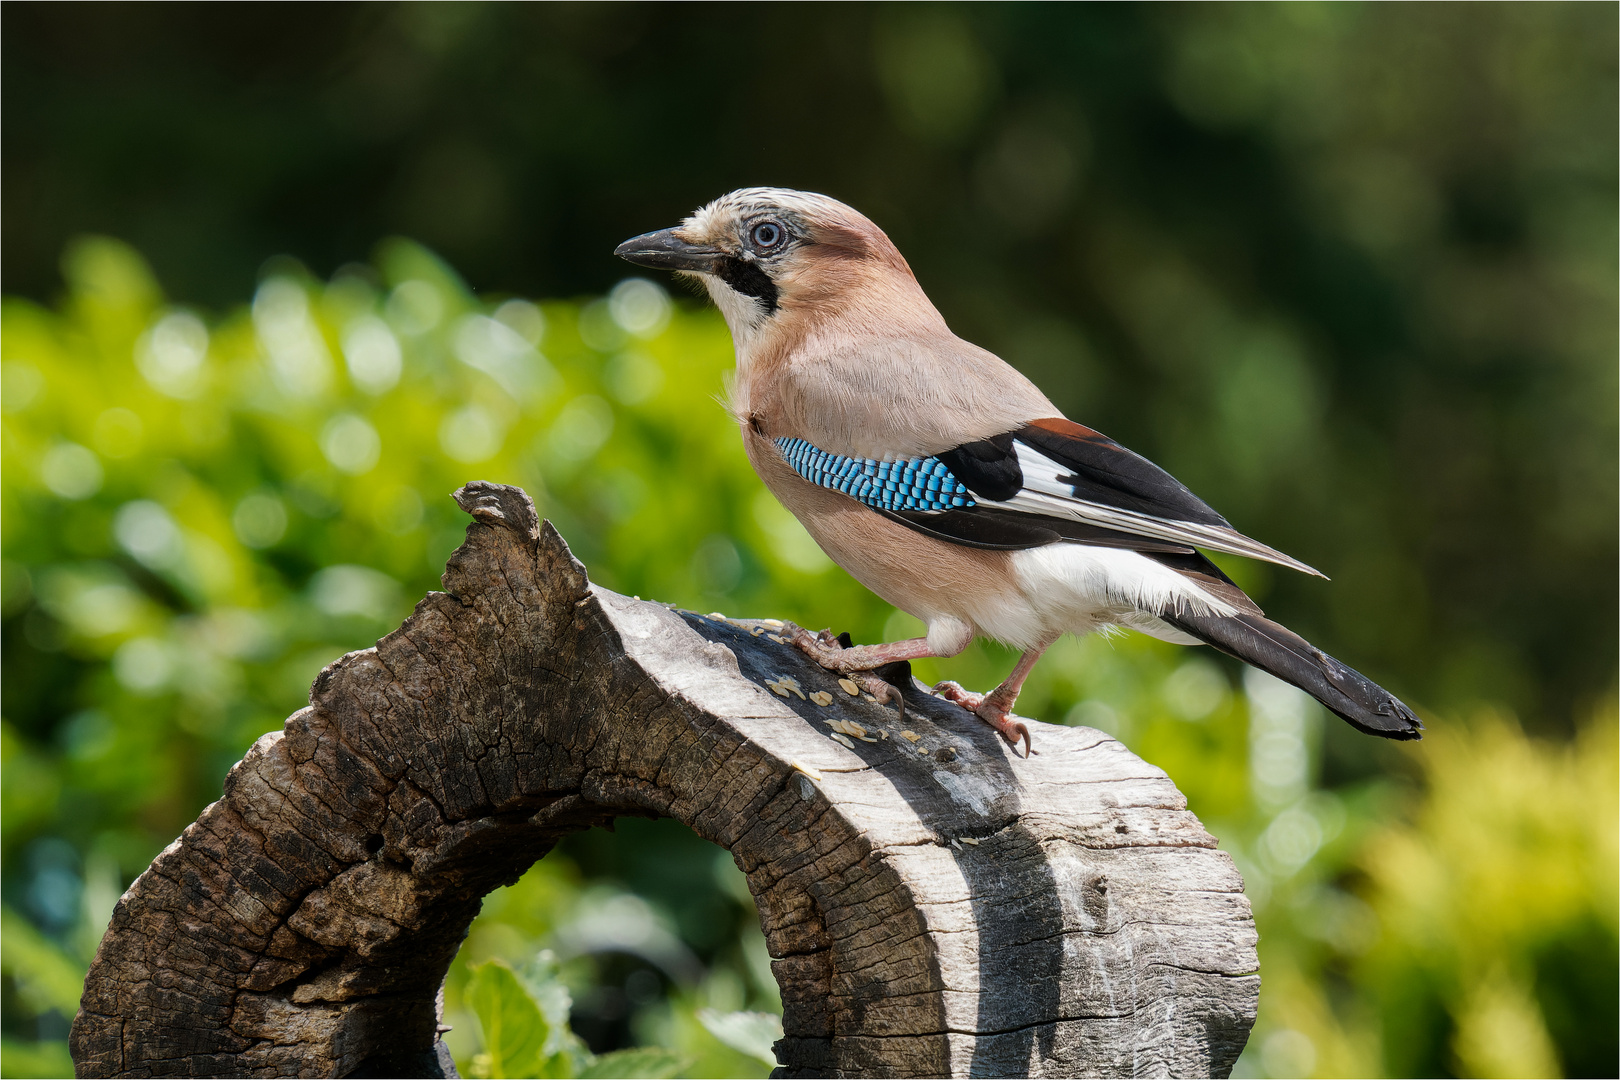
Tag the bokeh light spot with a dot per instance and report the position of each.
(118, 433)
(170, 355)
(260, 520)
(351, 444)
(640, 307)
(598, 329)
(144, 665)
(20, 385)
(355, 590)
(299, 360)
(1196, 689)
(471, 434)
(71, 471)
(1288, 1053)
(373, 356)
(146, 531)
(503, 354)
(414, 307)
(581, 428)
(633, 377)
(525, 318)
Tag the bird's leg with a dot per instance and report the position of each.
(995, 708)
(857, 661)
(826, 650)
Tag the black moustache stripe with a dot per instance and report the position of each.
(748, 279)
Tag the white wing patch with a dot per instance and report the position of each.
(1047, 495)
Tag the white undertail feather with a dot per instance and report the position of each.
(1078, 588)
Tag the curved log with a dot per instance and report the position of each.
(935, 907)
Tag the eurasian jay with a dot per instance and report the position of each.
(943, 480)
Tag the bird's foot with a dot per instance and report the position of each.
(991, 709)
(824, 648)
(827, 650)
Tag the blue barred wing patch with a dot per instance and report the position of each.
(914, 484)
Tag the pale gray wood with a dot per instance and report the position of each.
(303, 924)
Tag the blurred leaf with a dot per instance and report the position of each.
(753, 1033)
(46, 977)
(26, 1060)
(644, 1061)
(515, 1029)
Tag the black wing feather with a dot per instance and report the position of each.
(1104, 472)
(1119, 499)
(989, 467)
(1011, 530)
(1108, 473)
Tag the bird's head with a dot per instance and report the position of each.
(777, 262)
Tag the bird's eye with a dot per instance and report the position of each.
(768, 234)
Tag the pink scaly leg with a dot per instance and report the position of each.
(995, 708)
(857, 661)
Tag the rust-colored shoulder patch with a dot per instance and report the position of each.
(1057, 425)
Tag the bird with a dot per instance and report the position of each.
(943, 480)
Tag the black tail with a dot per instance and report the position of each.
(1279, 651)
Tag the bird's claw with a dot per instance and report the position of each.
(986, 708)
(825, 649)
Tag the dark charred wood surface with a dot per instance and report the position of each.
(957, 912)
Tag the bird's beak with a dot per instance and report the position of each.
(666, 251)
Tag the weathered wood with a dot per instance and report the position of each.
(959, 912)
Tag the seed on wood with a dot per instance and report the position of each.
(756, 631)
(774, 624)
(849, 687)
(970, 840)
(922, 749)
(776, 688)
(852, 728)
(844, 739)
(955, 845)
(822, 698)
(778, 638)
(808, 771)
(912, 735)
(870, 698)
(717, 615)
(867, 738)
(788, 682)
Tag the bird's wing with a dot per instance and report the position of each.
(1049, 481)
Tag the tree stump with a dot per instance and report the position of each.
(935, 906)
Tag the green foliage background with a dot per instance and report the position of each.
(1348, 271)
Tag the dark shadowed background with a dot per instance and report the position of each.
(1348, 270)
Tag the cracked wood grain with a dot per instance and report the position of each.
(960, 912)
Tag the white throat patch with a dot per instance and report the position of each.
(743, 314)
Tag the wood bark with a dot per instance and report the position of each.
(937, 907)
